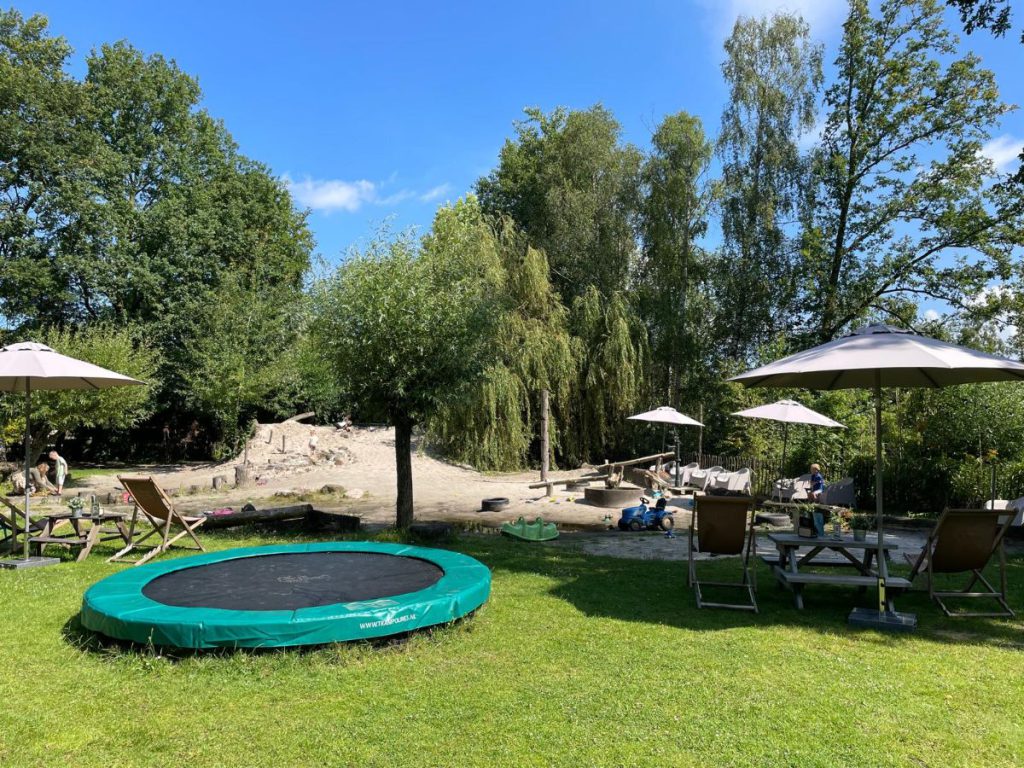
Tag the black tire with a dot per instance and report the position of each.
(623, 526)
(667, 523)
(635, 525)
(494, 505)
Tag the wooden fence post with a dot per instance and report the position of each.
(545, 448)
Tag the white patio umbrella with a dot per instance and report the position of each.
(28, 367)
(788, 412)
(666, 414)
(879, 356)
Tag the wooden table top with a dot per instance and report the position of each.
(84, 515)
(847, 542)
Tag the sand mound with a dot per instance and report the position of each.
(290, 448)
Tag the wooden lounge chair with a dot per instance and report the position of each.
(964, 541)
(724, 526)
(158, 509)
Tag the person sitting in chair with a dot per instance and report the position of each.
(817, 483)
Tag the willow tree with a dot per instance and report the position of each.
(773, 72)
(494, 424)
(612, 352)
(406, 327)
(905, 203)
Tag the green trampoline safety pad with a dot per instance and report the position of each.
(287, 595)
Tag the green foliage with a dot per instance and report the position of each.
(493, 426)
(570, 184)
(612, 353)
(242, 349)
(905, 205)
(406, 327)
(861, 523)
(122, 201)
(671, 275)
(773, 72)
(120, 349)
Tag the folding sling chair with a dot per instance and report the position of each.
(964, 541)
(724, 526)
(158, 509)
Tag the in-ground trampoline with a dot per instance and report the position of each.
(299, 594)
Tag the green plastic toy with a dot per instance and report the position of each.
(538, 530)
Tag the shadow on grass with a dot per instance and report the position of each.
(655, 592)
(93, 643)
(645, 591)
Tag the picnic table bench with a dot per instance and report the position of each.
(80, 535)
(787, 564)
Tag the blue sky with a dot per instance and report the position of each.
(382, 111)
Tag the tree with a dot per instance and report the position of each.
(773, 72)
(904, 204)
(43, 147)
(673, 266)
(570, 184)
(495, 423)
(123, 201)
(612, 354)
(993, 15)
(406, 326)
(241, 352)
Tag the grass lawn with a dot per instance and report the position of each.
(575, 661)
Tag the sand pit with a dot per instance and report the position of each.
(362, 461)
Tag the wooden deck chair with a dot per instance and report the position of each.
(724, 526)
(964, 541)
(158, 509)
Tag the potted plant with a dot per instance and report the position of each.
(860, 525)
(75, 505)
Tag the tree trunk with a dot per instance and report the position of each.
(403, 464)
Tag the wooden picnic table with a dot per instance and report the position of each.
(80, 535)
(845, 552)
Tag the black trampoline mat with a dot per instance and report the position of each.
(293, 580)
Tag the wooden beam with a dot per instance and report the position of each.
(642, 460)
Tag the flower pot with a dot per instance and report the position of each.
(859, 535)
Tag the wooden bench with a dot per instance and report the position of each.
(841, 580)
(772, 560)
(549, 485)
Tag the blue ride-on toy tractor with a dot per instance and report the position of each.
(645, 517)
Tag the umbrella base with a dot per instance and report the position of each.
(885, 621)
(20, 563)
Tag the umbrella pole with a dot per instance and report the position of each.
(28, 455)
(890, 621)
(878, 490)
(785, 444)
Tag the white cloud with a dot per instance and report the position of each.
(331, 194)
(436, 193)
(931, 314)
(821, 15)
(328, 195)
(1003, 151)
